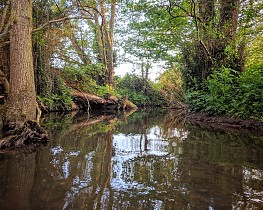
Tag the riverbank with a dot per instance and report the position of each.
(226, 123)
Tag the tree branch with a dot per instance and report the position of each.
(90, 7)
(5, 31)
(187, 14)
(55, 21)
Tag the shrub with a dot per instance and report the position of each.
(140, 91)
(221, 90)
(250, 101)
(229, 92)
(104, 90)
(60, 98)
(85, 78)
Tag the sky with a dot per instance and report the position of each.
(125, 68)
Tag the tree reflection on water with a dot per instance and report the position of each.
(150, 160)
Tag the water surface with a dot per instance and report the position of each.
(149, 160)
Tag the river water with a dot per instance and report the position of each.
(148, 160)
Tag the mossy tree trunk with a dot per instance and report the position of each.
(21, 102)
(216, 28)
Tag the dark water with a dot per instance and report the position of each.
(149, 160)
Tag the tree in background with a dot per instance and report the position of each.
(208, 39)
(92, 36)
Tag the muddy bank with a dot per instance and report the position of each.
(225, 123)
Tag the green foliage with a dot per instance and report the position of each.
(83, 77)
(171, 85)
(133, 87)
(195, 100)
(86, 78)
(105, 90)
(57, 102)
(60, 99)
(250, 103)
(221, 86)
(255, 51)
(230, 93)
(140, 91)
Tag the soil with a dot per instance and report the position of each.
(226, 123)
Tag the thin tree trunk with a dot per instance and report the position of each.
(111, 34)
(21, 104)
(108, 31)
(101, 45)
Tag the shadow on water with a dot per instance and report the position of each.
(151, 159)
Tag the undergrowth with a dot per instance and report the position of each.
(228, 92)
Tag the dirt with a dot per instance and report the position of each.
(226, 123)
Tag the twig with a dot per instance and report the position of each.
(188, 14)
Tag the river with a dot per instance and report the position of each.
(151, 159)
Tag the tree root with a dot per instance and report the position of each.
(28, 133)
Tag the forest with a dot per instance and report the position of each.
(61, 55)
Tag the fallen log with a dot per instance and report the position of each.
(109, 102)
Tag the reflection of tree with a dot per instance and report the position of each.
(212, 168)
(101, 173)
(168, 123)
(17, 177)
(82, 166)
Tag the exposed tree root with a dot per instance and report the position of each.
(27, 134)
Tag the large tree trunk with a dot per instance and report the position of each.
(228, 19)
(21, 104)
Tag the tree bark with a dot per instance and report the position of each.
(21, 103)
(228, 19)
(100, 37)
(108, 32)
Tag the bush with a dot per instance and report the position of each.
(250, 101)
(140, 91)
(104, 90)
(222, 89)
(229, 92)
(60, 98)
(171, 85)
(57, 102)
(85, 78)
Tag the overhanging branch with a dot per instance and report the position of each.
(55, 21)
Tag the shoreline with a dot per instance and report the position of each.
(226, 123)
